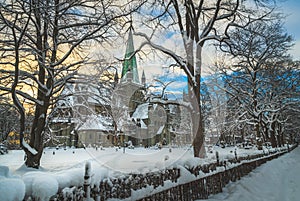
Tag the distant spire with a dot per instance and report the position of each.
(130, 60)
(116, 79)
(143, 78)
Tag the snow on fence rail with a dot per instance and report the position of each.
(211, 184)
(133, 186)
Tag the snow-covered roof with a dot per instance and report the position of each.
(141, 112)
(61, 120)
(95, 94)
(143, 125)
(97, 122)
(160, 130)
(67, 99)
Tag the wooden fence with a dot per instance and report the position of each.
(212, 184)
(121, 188)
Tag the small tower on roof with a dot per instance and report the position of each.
(129, 70)
(143, 78)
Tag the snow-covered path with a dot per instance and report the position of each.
(277, 180)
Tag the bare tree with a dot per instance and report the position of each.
(42, 45)
(219, 108)
(292, 96)
(255, 48)
(281, 102)
(199, 23)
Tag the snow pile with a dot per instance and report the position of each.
(43, 185)
(185, 176)
(71, 177)
(98, 175)
(11, 188)
(40, 185)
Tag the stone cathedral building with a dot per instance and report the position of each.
(114, 113)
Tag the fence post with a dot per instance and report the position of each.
(217, 156)
(235, 155)
(87, 181)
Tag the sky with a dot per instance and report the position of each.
(292, 9)
(155, 66)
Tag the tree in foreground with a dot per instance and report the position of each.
(198, 23)
(259, 55)
(42, 45)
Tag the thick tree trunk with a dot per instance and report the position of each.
(36, 142)
(258, 137)
(273, 140)
(198, 144)
(279, 140)
(36, 134)
(33, 161)
(272, 137)
(199, 138)
(281, 134)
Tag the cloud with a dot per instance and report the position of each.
(295, 51)
(291, 9)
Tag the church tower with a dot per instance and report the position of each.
(129, 70)
(128, 94)
(129, 90)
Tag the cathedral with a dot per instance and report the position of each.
(113, 113)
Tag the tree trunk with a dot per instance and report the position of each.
(36, 134)
(279, 141)
(33, 161)
(281, 134)
(273, 140)
(198, 143)
(36, 141)
(258, 137)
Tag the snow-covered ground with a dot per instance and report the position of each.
(64, 168)
(138, 159)
(277, 180)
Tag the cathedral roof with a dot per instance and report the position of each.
(130, 64)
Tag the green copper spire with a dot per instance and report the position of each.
(130, 60)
